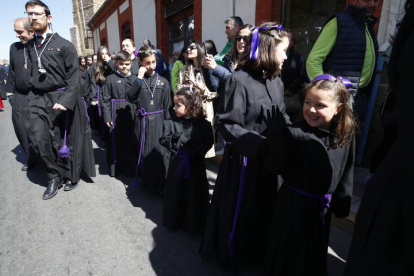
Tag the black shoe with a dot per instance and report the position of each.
(25, 167)
(69, 185)
(29, 166)
(54, 185)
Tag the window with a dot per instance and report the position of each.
(126, 30)
(181, 28)
(307, 18)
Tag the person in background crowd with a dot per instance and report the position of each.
(187, 137)
(94, 58)
(151, 95)
(129, 46)
(191, 73)
(332, 48)
(242, 206)
(118, 115)
(175, 72)
(293, 77)
(233, 25)
(82, 67)
(18, 84)
(171, 63)
(89, 61)
(5, 67)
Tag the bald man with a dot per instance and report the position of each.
(18, 83)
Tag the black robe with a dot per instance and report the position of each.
(383, 239)
(154, 156)
(18, 83)
(299, 244)
(120, 155)
(186, 199)
(47, 126)
(242, 124)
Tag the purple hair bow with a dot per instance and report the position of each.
(345, 81)
(254, 50)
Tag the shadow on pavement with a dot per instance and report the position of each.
(20, 155)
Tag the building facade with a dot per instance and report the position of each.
(171, 24)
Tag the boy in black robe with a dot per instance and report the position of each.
(118, 116)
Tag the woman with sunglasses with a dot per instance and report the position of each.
(242, 206)
(191, 73)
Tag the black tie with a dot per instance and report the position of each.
(39, 39)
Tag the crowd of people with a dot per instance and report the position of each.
(285, 168)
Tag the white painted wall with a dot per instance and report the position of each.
(392, 13)
(113, 33)
(215, 12)
(96, 39)
(143, 13)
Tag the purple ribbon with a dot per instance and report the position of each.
(86, 109)
(64, 151)
(142, 113)
(230, 243)
(254, 48)
(184, 167)
(113, 127)
(324, 201)
(345, 81)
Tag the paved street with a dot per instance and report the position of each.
(100, 228)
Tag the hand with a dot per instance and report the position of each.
(176, 136)
(209, 62)
(199, 85)
(141, 72)
(59, 107)
(275, 121)
(109, 124)
(94, 103)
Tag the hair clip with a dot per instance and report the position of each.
(254, 50)
(345, 81)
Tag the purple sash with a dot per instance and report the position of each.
(142, 113)
(64, 151)
(230, 243)
(324, 201)
(184, 167)
(113, 127)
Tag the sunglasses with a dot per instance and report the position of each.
(191, 47)
(239, 38)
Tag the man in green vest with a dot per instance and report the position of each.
(233, 24)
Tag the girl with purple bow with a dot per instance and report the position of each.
(188, 137)
(152, 97)
(318, 178)
(242, 206)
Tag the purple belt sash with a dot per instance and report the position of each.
(86, 109)
(184, 167)
(113, 127)
(142, 113)
(64, 151)
(324, 201)
(230, 242)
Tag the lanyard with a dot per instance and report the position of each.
(153, 91)
(39, 62)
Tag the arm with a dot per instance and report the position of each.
(198, 151)
(70, 61)
(231, 121)
(10, 86)
(341, 197)
(167, 101)
(211, 82)
(321, 49)
(133, 93)
(221, 73)
(170, 138)
(106, 101)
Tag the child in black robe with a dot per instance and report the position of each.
(188, 137)
(118, 115)
(318, 179)
(151, 95)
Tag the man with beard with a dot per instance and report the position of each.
(52, 100)
(18, 83)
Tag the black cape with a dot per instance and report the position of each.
(383, 240)
(154, 157)
(249, 97)
(298, 245)
(186, 199)
(120, 155)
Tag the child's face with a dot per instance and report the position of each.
(280, 51)
(150, 63)
(123, 66)
(179, 108)
(319, 108)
